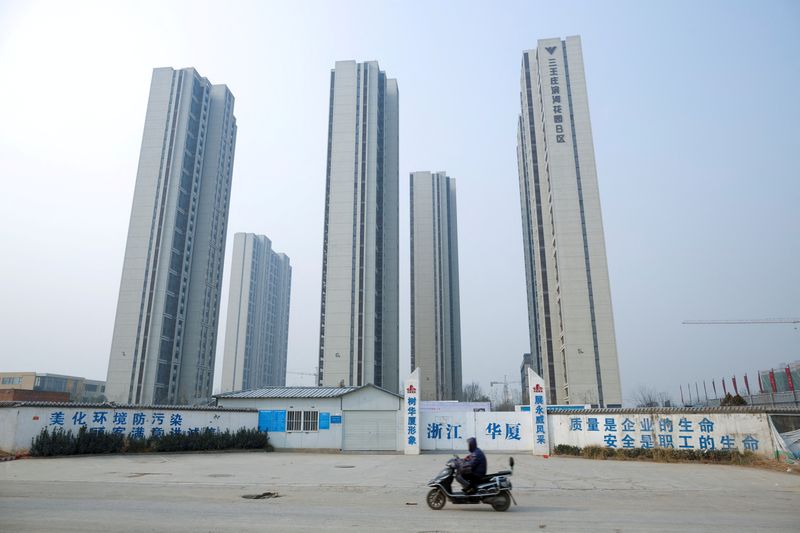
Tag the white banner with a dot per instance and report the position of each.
(411, 415)
(497, 431)
(538, 399)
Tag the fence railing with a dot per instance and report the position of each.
(769, 399)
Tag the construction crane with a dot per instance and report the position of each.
(314, 375)
(504, 383)
(750, 321)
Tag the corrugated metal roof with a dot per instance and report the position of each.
(290, 392)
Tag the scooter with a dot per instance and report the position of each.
(494, 489)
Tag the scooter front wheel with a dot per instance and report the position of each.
(436, 499)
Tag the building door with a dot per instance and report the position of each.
(370, 430)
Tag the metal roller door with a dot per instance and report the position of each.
(370, 430)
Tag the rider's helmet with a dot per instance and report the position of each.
(472, 444)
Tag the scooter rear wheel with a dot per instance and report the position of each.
(501, 502)
(436, 499)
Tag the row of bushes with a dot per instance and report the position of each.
(60, 442)
(661, 455)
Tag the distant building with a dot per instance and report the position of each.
(31, 386)
(783, 378)
(571, 325)
(435, 304)
(165, 331)
(523, 378)
(257, 332)
(358, 338)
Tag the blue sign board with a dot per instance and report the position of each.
(274, 421)
(336, 419)
(324, 421)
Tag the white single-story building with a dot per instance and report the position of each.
(362, 418)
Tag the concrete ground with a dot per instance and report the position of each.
(203, 492)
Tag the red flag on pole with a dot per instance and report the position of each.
(714, 384)
(705, 390)
(747, 384)
(789, 379)
(682, 400)
(724, 388)
(772, 380)
(760, 385)
(735, 388)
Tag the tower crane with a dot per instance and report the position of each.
(746, 321)
(313, 376)
(504, 383)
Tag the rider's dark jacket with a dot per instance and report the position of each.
(476, 463)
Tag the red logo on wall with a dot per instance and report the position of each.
(411, 389)
(538, 388)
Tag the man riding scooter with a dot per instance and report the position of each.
(472, 468)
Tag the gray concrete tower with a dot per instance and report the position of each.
(571, 324)
(165, 331)
(435, 309)
(358, 341)
(257, 332)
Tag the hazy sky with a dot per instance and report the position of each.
(695, 112)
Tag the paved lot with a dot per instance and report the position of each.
(203, 492)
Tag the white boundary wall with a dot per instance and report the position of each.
(20, 424)
(678, 430)
(494, 431)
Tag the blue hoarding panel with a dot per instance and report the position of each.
(272, 421)
(279, 422)
(324, 421)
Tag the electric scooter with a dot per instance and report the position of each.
(493, 489)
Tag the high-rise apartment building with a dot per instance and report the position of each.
(257, 332)
(435, 309)
(165, 332)
(359, 310)
(571, 324)
(523, 378)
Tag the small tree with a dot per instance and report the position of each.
(729, 400)
(647, 397)
(474, 393)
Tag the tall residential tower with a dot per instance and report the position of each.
(435, 309)
(571, 324)
(257, 332)
(165, 331)
(358, 341)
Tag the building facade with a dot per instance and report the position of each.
(571, 325)
(523, 378)
(365, 418)
(359, 303)
(435, 308)
(73, 388)
(165, 331)
(257, 332)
